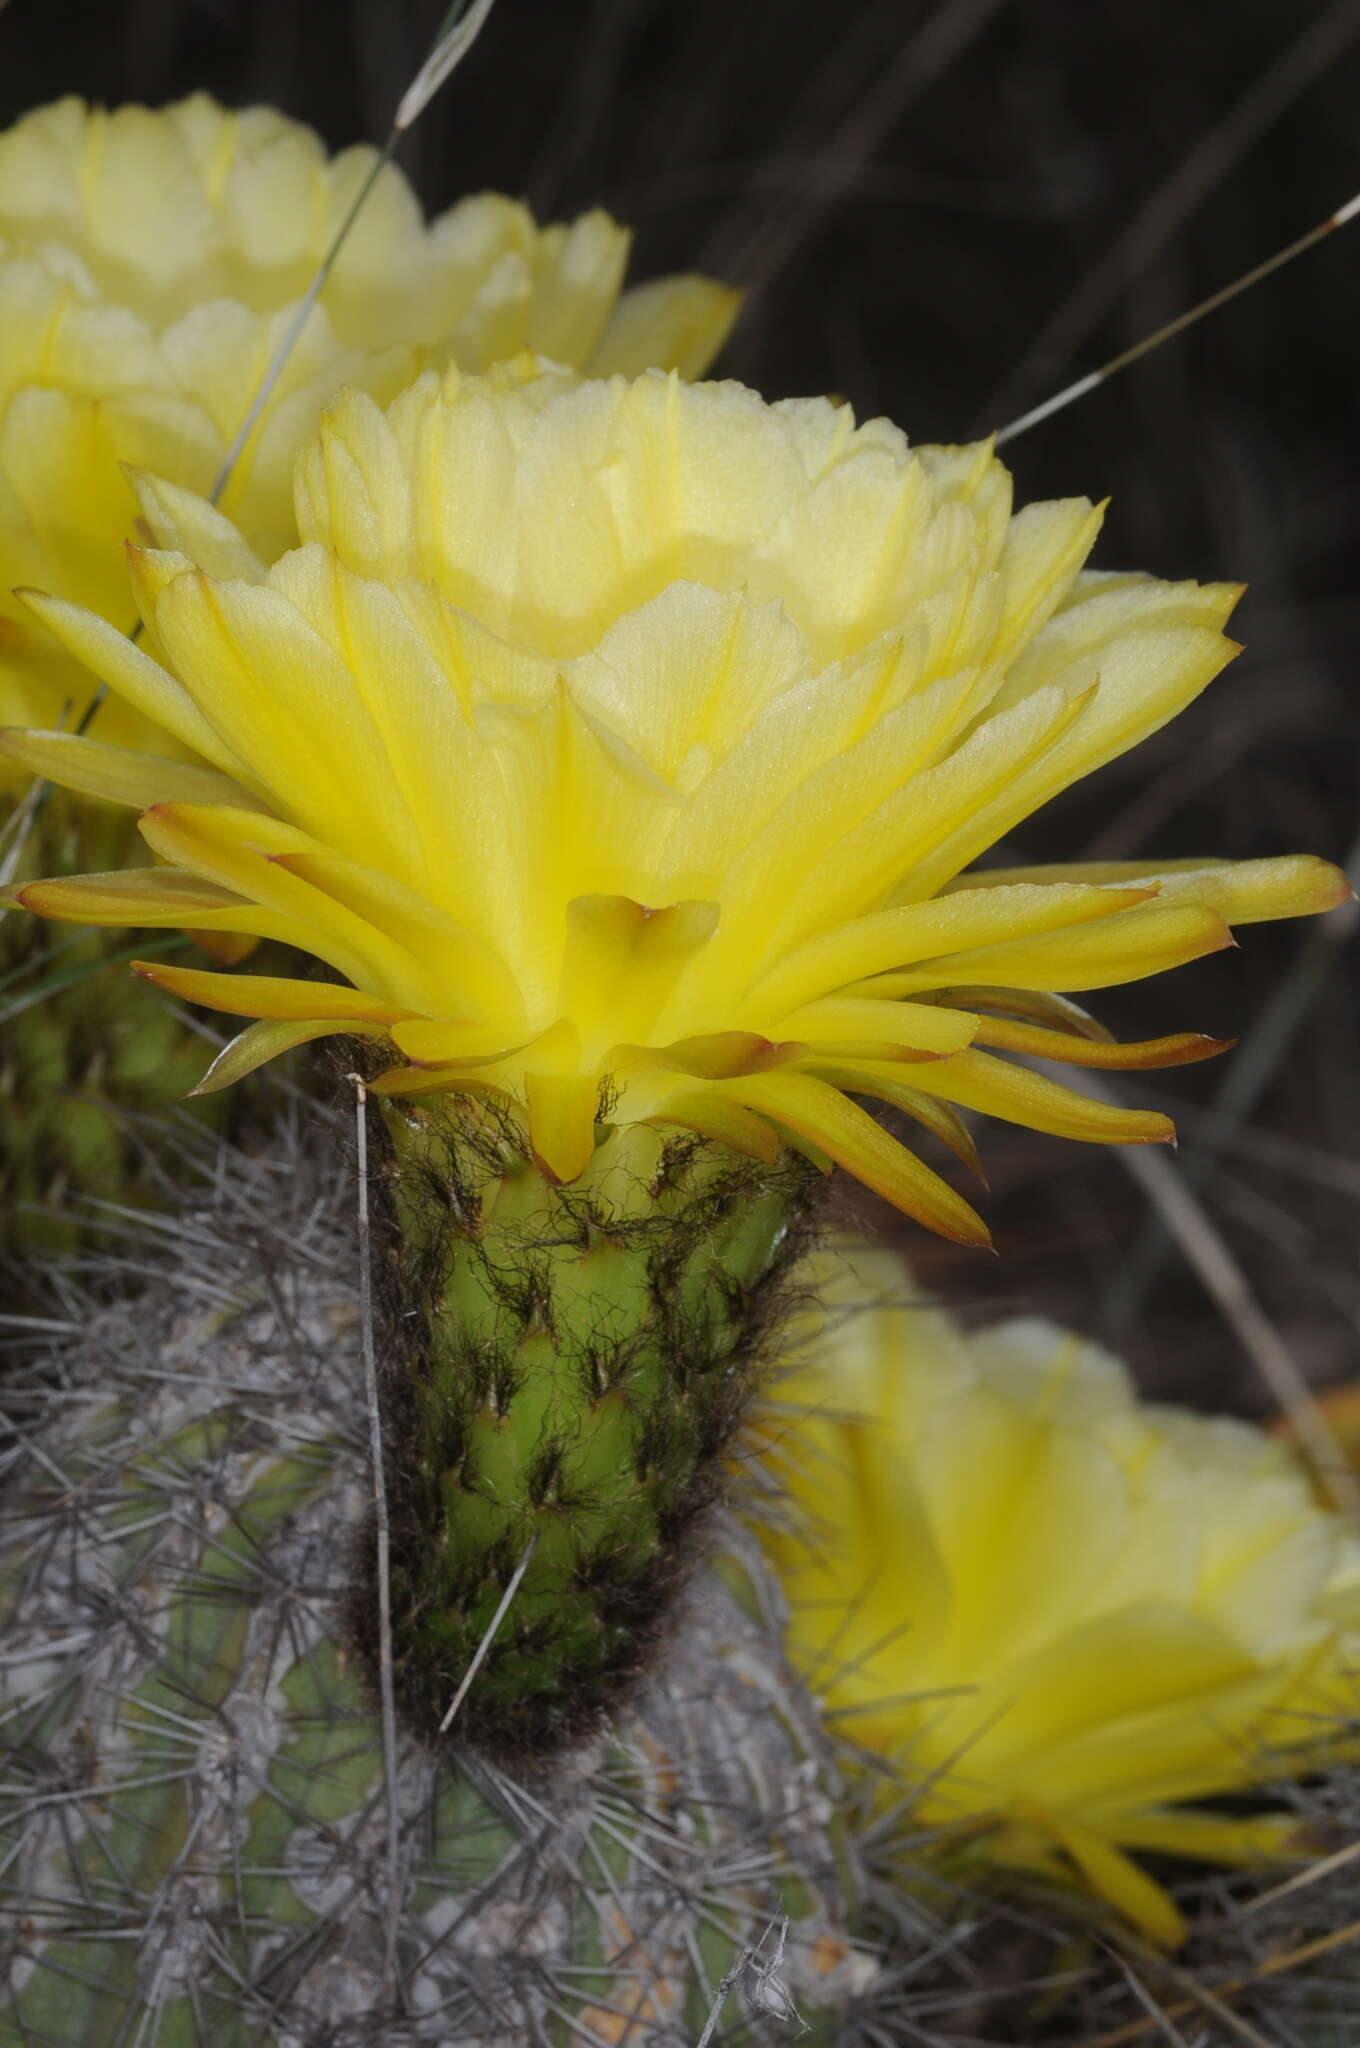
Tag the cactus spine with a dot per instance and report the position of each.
(568, 1367)
(193, 1836)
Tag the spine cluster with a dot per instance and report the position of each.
(194, 1823)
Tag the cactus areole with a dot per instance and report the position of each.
(563, 1368)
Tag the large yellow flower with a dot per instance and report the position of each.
(149, 268)
(1064, 1619)
(635, 736)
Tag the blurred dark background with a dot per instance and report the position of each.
(944, 210)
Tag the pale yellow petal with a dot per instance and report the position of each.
(1138, 683)
(181, 520)
(676, 323)
(1241, 891)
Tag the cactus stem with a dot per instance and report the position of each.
(564, 1371)
(193, 1840)
(382, 1537)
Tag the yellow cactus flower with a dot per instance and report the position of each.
(150, 264)
(1065, 1619)
(626, 744)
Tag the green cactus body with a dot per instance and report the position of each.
(194, 1837)
(86, 1051)
(576, 1363)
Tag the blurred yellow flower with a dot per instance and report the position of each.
(1067, 1618)
(635, 737)
(149, 267)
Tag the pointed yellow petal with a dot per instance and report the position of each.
(621, 958)
(977, 1081)
(149, 896)
(579, 267)
(1037, 1006)
(921, 1027)
(117, 774)
(433, 1081)
(1148, 939)
(1241, 891)
(1045, 546)
(924, 931)
(1104, 603)
(1181, 1048)
(1137, 684)
(717, 1055)
(887, 1084)
(186, 524)
(282, 699)
(351, 490)
(431, 1042)
(562, 1109)
(156, 897)
(1252, 891)
(266, 995)
(851, 1137)
(261, 1042)
(938, 1118)
(1233, 1840)
(112, 657)
(727, 1122)
(675, 323)
(1118, 1880)
(234, 849)
(229, 949)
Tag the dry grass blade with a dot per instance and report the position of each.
(15, 831)
(1324, 1867)
(457, 33)
(1201, 1996)
(1160, 2019)
(1254, 1065)
(176, 1546)
(53, 983)
(1070, 393)
(461, 28)
(465, 1684)
(771, 241)
(1211, 1998)
(19, 826)
(1321, 43)
(1191, 1228)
